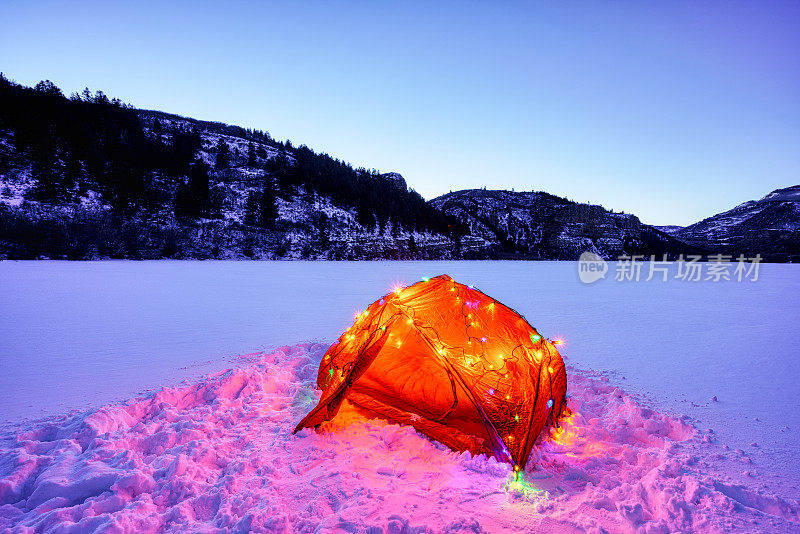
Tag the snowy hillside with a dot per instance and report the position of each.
(542, 226)
(769, 226)
(308, 226)
(146, 184)
(86, 177)
(669, 229)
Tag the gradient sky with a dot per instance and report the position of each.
(673, 111)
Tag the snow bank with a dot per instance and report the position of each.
(220, 455)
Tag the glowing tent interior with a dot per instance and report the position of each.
(456, 364)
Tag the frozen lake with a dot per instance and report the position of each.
(75, 335)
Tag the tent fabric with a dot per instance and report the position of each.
(456, 364)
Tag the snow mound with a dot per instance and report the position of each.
(220, 454)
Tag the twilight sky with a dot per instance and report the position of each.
(673, 110)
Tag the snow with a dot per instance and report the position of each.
(669, 229)
(217, 451)
(722, 226)
(236, 145)
(787, 194)
(220, 454)
(14, 186)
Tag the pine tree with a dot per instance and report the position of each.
(193, 198)
(223, 155)
(269, 206)
(199, 189)
(100, 98)
(49, 187)
(251, 155)
(183, 202)
(48, 87)
(412, 244)
(261, 208)
(251, 208)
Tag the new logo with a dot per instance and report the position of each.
(591, 267)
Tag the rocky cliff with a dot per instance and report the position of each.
(539, 225)
(769, 226)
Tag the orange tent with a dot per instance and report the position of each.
(456, 364)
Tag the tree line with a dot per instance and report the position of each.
(88, 141)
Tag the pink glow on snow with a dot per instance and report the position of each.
(574, 440)
(220, 454)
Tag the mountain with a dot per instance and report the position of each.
(539, 225)
(670, 229)
(88, 177)
(769, 226)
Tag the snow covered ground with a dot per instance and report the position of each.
(218, 451)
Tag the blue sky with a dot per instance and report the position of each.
(669, 110)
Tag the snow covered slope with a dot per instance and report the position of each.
(540, 225)
(220, 454)
(309, 225)
(769, 226)
(669, 229)
(86, 177)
